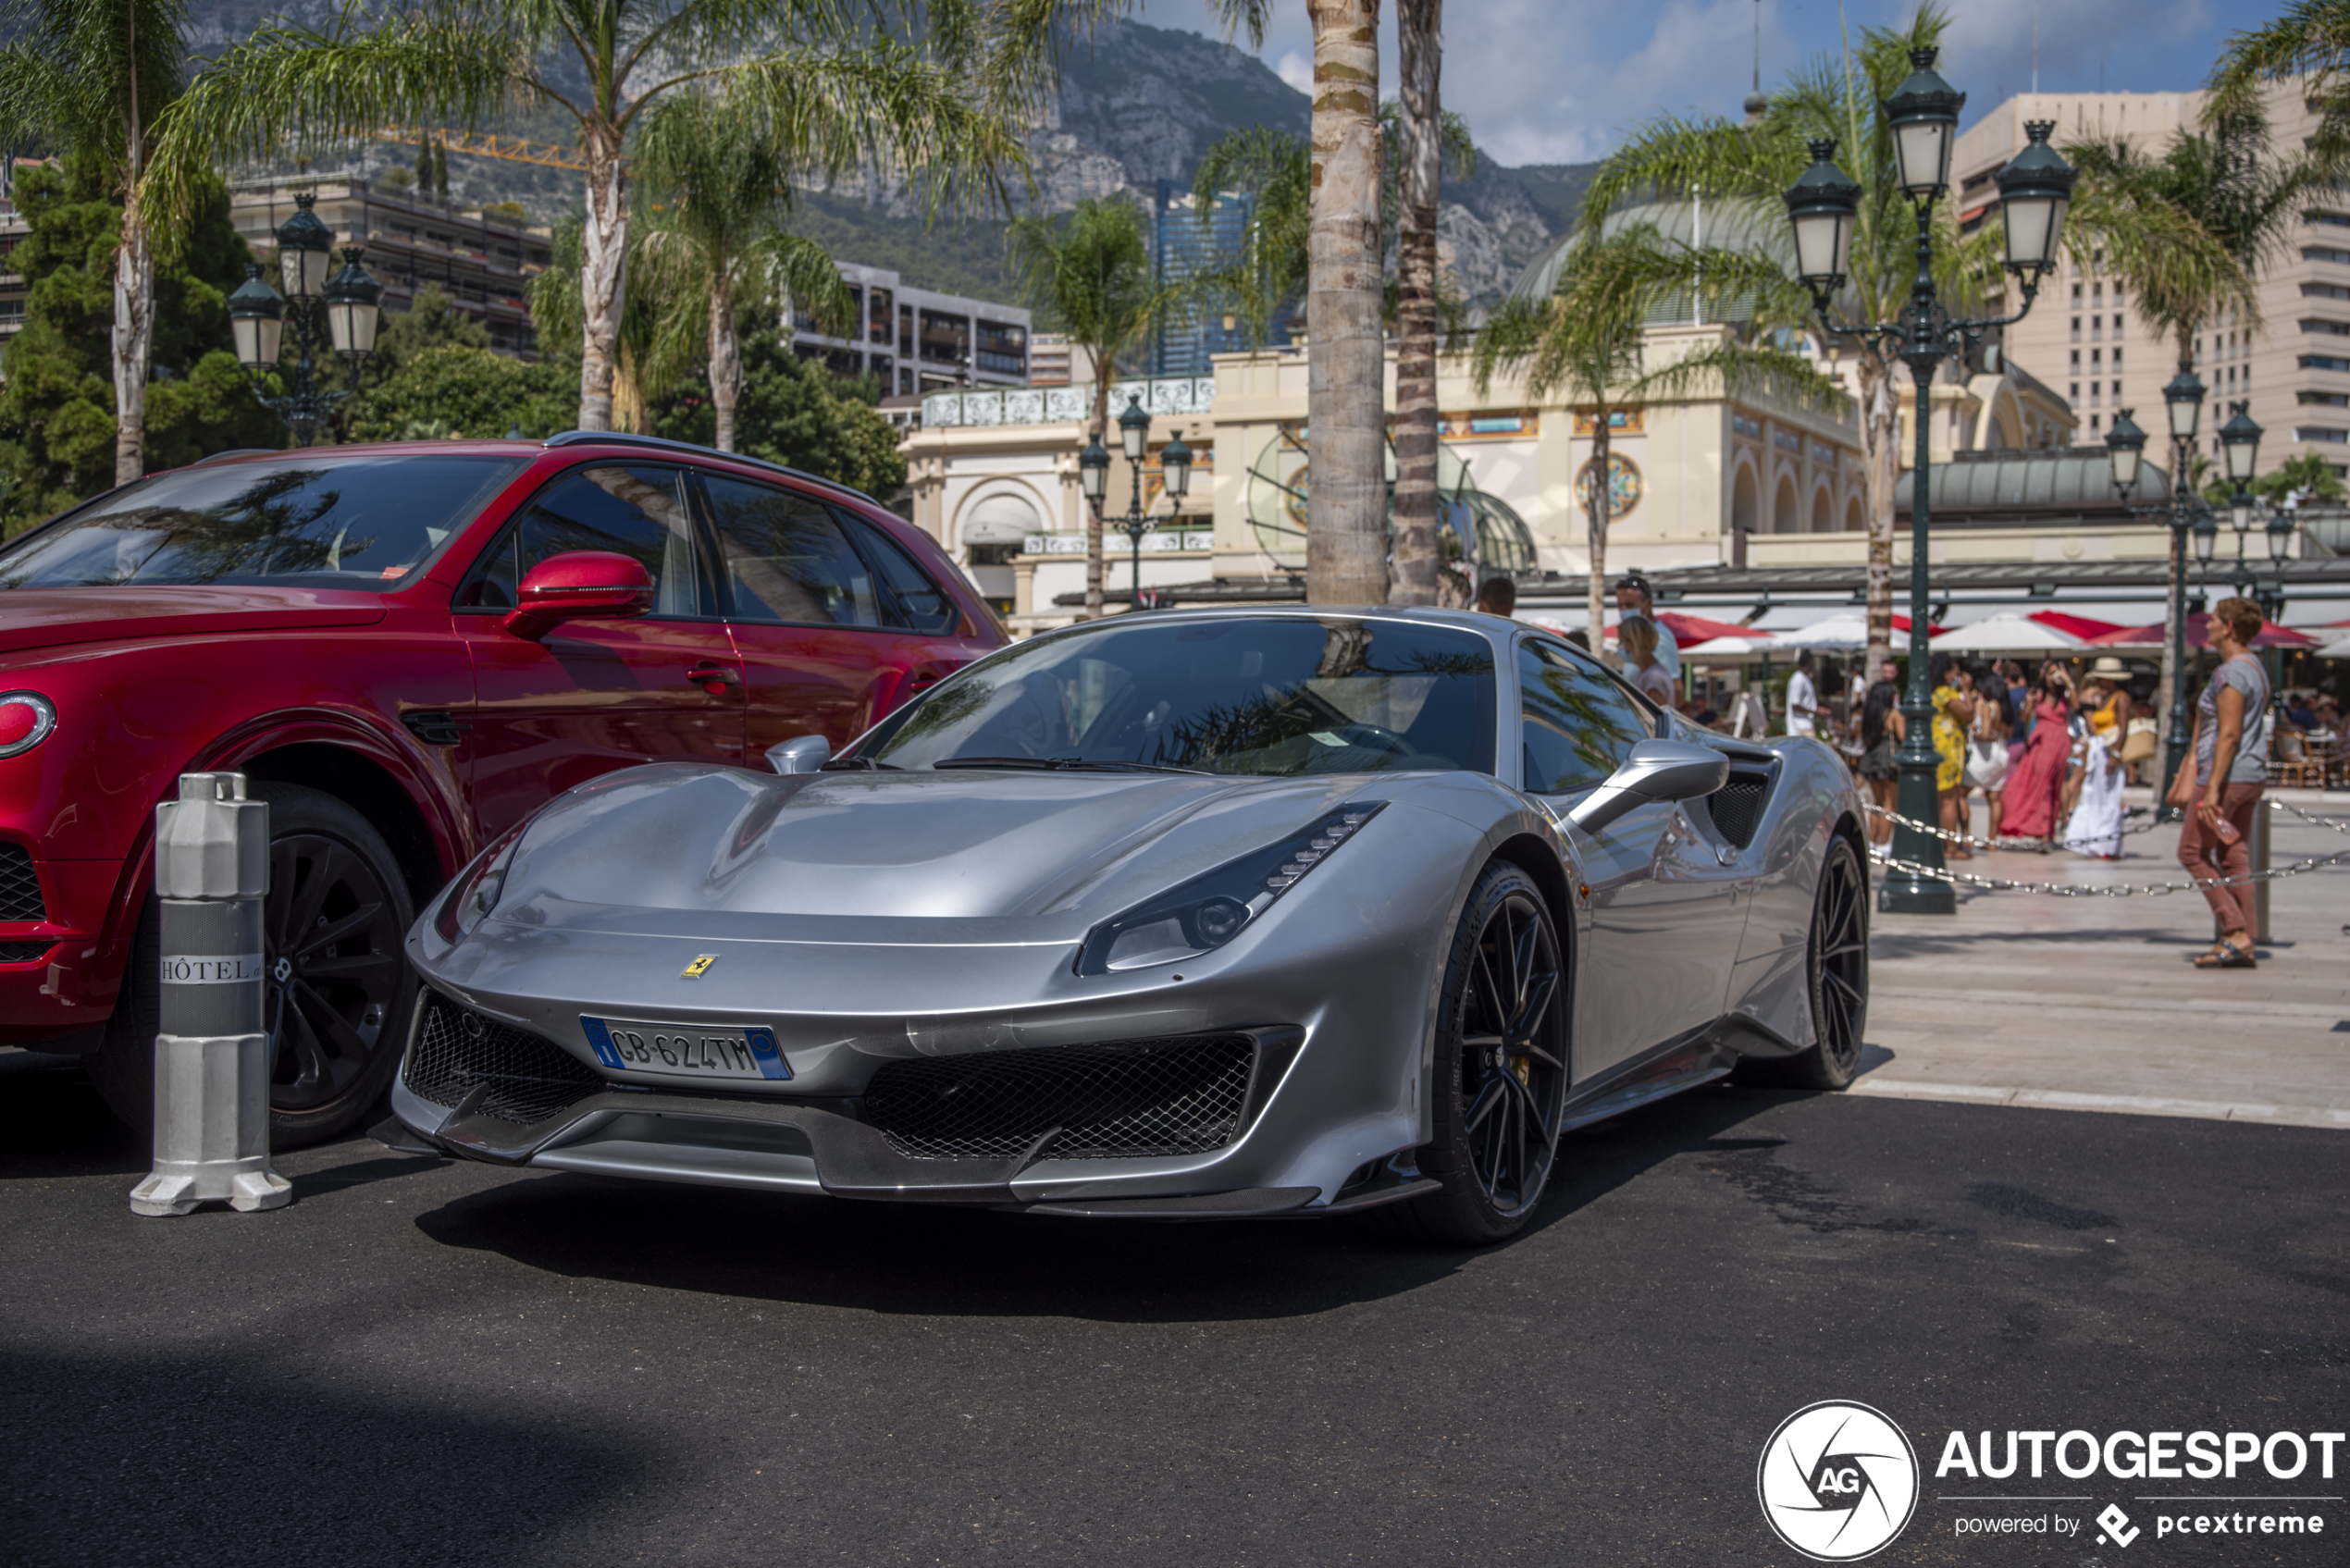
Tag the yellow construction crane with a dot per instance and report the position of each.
(514, 149)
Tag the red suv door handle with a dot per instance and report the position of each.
(713, 678)
(921, 678)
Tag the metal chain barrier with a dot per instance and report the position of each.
(1972, 842)
(2125, 890)
(2337, 824)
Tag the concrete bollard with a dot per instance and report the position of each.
(212, 1056)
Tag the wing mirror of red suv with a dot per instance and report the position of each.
(579, 585)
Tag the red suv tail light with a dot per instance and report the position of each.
(26, 719)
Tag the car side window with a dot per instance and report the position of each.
(915, 602)
(786, 559)
(1579, 725)
(630, 508)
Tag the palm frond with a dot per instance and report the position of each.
(288, 88)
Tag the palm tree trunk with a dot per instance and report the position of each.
(1345, 553)
(1093, 513)
(603, 274)
(1419, 57)
(134, 323)
(725, 360)
(1880, 465)
(1595, 511)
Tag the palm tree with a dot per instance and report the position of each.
(717, 238)
(1585, 344)
(1088, 272)
(1747, 170)
(2310, 40)
(1275, 171)
(2194, 224)
(946, 119)
(1346, 353)
(1422, 138)
(640, 376)
(94, 78)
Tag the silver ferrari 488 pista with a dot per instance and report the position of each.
(1192, 915)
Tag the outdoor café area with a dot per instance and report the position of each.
(1723, 661)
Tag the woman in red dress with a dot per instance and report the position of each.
(2037, 777)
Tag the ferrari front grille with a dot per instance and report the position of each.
(22, 952)
(1125, 1100)
(1737, 806)
(19, 886)
(526, 1079)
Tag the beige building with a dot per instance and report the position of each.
(995, 479)
(482, 260)
(2084, 337)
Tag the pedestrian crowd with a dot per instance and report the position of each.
(2050, 751)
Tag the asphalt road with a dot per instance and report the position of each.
(425, 1363)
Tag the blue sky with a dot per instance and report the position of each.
(1558, 80)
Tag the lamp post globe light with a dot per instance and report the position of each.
(1823, 204)
(1092, 476)
(342, 312)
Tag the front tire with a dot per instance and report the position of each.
(337, 1001)
(1837, 964)
(1499, 1090)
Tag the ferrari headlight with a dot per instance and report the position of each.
(1210, 910)
(476, 892)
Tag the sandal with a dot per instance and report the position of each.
(2226, 955)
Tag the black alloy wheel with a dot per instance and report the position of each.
(1838, 962)
(1501, 1081)
(338, 995)
(331, 932)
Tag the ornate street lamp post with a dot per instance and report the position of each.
(1092, 476)
(2191, 525)
(342, 312)
(2034, 190)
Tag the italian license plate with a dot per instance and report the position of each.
(687, 1050)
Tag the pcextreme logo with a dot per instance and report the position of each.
(1838, 1481)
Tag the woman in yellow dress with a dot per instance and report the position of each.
(1953, 710)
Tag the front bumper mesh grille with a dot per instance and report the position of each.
(20, 885)
(1125, 1100)
(526, 1079)
(1737, 806)
(22, 952)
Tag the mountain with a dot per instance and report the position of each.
(1137, 105)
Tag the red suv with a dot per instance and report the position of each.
(406, 647)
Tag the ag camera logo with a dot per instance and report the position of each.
(1838, 1481)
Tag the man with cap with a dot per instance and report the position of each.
(1632, 598)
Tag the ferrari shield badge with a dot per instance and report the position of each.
(699, 966)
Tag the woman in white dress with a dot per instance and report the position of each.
(2095, 827)
(1987, 744)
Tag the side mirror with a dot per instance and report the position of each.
(1657, 769)
(577, 586)
(803, 754)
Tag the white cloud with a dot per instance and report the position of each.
(1563, 81)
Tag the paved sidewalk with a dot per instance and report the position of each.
(2093, 1004)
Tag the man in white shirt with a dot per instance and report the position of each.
(1803, 698)
(1632, 598)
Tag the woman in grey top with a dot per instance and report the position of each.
(2221, 789)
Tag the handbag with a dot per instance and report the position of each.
(2138, 746)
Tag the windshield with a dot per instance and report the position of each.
(1280, 696)
(369, 523)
